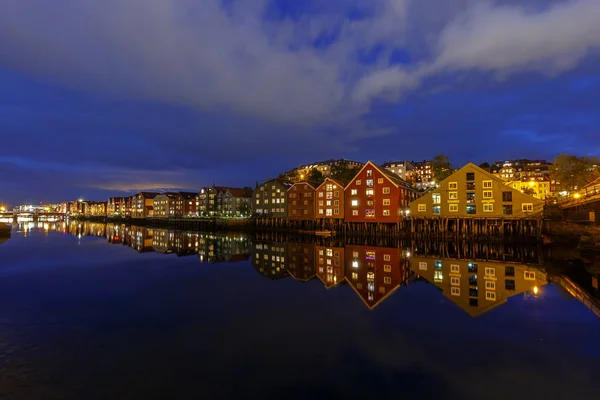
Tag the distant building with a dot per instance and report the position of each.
(143, 205)
(301, 201)
(377, 195)
(425, 177)
(538, 187)
(405, 169)
(512, 170)
(474, 192)
(175, 205)
(94, 208)
(270, 198)
(324, 167)
(115, 207)
(479, 286)
(234, 201)
(330, 199)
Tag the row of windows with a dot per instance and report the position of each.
(472, 209)
(370, 192)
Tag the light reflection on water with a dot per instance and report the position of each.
(116, 311)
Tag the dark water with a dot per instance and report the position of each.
(102, 312)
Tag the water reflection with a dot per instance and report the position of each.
(477, 277)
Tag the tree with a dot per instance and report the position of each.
(440, 166)
(315, 176)
(484, 165)
(244, 209)
(290, 176)
(343, 172)
(256, 187)
(529, 191)
(571, 172)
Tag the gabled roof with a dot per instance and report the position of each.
(239, 192)
(313, 185)
(170, 195)
(148, 195)
(283, 182)
(188, 195)
(395, 179)
(336, 181)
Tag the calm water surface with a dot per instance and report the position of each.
(115, 312)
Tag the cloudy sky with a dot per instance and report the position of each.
(108, 97)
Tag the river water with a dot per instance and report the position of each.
(94, 311)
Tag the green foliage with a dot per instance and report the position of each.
(291, 176)
(343, 172)
(440, 166)
(571, 172)
(244, 209)
(315, 176)
(529, 191)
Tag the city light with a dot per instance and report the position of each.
(576, 195)
(536, 290)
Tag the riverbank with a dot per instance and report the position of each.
(569, 233)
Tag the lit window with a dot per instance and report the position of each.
(320, 194)
(454, 281)
(527, 207)
(354, 212)
(358, 182)
(387, 280)
(354, 276)
(354, 264)
(488, 207)
(437, 199)
(369, 172)
(490, 296)
(386, 202)
(487, 185)
(387, 257)
(453, 195)
(487, 194)
(354, 203)
(369, 192)
(422, 207)
(454, 268)
(320, 211)
(354, 192)
(491, 285)
(386, 190)
(455, 291)
(453, 185)
(387, 268)
(386, 212)
(438, 276)
(380, 180)
(423, 266)
(453, 207)
(529, 276)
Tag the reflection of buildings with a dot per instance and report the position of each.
(223, 248)
(140, 239)
(269, 259)
(374, 272)
(479, 286)
(330, 265)
(301, 261)
(162, 241)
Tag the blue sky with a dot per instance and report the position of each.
(108, 98)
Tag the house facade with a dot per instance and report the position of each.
(270, 198)
(324, 167)
(301, 201)
(115, 207)
(142, 205)
(235, 202)
(538, 187)
(330, 199)
(474, 192)
(374, 272)
(424, 175)
(207, 201)
(376, 195)
(95, 208)
(479, 286)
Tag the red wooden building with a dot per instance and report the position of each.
(301, 201)
(330, 265)
(330, 199)
(377, 195)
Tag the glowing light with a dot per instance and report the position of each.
(536, 290)
(576, 195)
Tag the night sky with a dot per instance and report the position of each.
(110, 97)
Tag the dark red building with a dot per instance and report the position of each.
(301, 201)
(377, 195)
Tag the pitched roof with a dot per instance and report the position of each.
(312, 184)
(239, 192)
(188, 195)
(284, 182)
(336, 181)
(148, 195)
